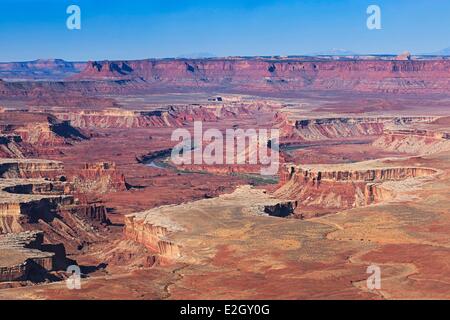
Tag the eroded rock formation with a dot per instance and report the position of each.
(282, 75)
(101, 177)
(344, 186)
(30, 168)
(414, 141)
(24, 256)
(243, 75)
(339, 128)
(171, 116)
(157, 230)
(33, 196)
(24, 133)
(152, 231)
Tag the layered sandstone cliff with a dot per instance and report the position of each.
(271, 74)
(30, 168)
(344, 127)
(414, 141)
(174, 233)
(338, 187)
(351, 172)
(245, 75)
(24, 133)
(33, 196)
(11, 147)
(101, 177)
(171, 116)
(152, 229)
(24, 256)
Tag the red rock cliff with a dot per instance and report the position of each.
(291, 74)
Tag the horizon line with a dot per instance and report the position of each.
(231, 57)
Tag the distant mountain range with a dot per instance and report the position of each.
(443, 52)
(345, 52)
(197, 55)
(58, 69)
(41, 69)
(335, 52)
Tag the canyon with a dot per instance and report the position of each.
(87, 179)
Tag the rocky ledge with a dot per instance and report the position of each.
(337, 187)
(23, 256)
(157, 230)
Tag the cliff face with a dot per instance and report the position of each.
(30, 169)
(24, 257)
(344, 175)
(245, 75)
(171, 116)
(338, 128)
(343, 187)
(413, 141)
(10, 146)
(279, 74)
(165, 230)
(153, 237)
(94, 213)
(30, 202)
(99, 178)
(23, 133)
(40, 69)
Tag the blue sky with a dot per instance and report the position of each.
(133, 29)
